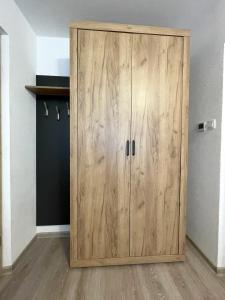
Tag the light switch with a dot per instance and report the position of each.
(211, 124)
(207, 125)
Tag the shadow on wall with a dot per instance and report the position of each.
(63, 66)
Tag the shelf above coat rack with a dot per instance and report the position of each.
(49, 90)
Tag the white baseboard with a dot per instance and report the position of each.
(53, 228)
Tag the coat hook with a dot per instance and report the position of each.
(68, 108)
(57, 111)
(46, 109)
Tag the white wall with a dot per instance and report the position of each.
(53, 56)
(5, 134)
(221, 245)
(21, 107)
(206, 81)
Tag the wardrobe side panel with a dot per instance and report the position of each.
(104, 113)
(73, 145)
(184, 146)
(157, 81)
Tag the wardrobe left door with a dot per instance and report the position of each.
(103, 129)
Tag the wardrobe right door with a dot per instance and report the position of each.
(157, 63)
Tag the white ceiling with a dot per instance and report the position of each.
(52, 17)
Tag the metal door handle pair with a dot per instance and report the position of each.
(128, 148)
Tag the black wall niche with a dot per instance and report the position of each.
(52, 155)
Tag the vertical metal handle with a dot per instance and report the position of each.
(127, 148)
(133, 147)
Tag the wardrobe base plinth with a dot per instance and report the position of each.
(101, 262)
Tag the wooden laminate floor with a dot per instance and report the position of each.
(43, 274)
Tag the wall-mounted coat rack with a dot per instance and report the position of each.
(57, 112)
(68, 108)
(46, 109)
(52, 131)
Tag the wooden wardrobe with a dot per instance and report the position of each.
(128, 137)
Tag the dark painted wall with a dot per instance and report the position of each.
(52, 156)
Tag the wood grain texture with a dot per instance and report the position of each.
(129, 28)
(73, 145)
(48, 90)
(156, 128)
(43, 273)
(127, 261)
(104, 113)
(1, 210)
(128, 87)
(184, 146)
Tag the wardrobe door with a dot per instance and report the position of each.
(156, 129)
(104, 116)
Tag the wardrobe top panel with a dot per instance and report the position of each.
(129, 28)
